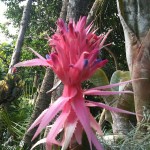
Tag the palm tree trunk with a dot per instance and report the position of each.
(23, 25)
(97, 5)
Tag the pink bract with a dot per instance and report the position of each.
(74, 58)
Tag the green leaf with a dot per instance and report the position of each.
(119, 76)
(99, 78)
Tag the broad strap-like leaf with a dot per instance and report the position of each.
(70, 126)
(51, 113)
(82, 113)
(56, 128)
(78, 133)
(38, 120)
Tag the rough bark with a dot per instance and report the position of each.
(24, 22)
(135, 19)
(42, 102)
(63, 12)
(98, 4)
(77, 8)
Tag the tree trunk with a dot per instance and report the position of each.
(24, 22)
(98, 4)
(63, 13)
(42, 102)
(77, 8)
(135, 19)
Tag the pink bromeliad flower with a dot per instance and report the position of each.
(74, 59)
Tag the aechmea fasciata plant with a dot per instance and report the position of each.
(74, 58)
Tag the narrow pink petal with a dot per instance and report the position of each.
(88, 28)
(51, 113)
(56, 127)
(114, 85)
(104, 39)
(38, 143)
(70, 126)
(95, 125)
(78, 133)
(114, 109)
(95, 142)
(38, 120)
(81, 24)
(93, 55)
(97, 65)
(71, 30)
(33, 62)
(97, 92)
(56, 60)
(37, 54)
(82, 113)
(61, 25)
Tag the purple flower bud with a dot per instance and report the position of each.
(47, 56)
(85, 63)
(97, 61)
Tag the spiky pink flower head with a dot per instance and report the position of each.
(74, 59)
(76, 49)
